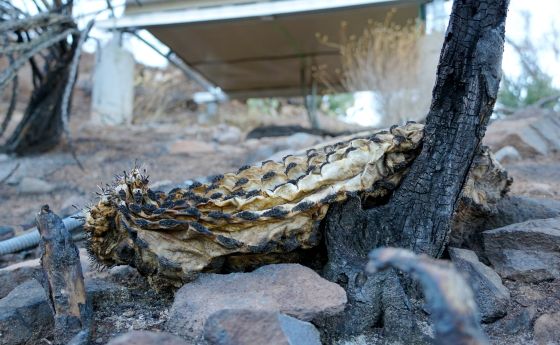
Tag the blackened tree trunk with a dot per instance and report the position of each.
(41, 127)
(418, 214)
(49, 43)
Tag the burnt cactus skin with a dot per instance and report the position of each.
(240, 219)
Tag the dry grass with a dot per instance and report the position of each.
(386, 59)
(160, 93)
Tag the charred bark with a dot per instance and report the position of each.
(41, 127)
(63, 280)
(50, 43)
(418, 214)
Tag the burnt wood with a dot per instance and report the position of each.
(417, 216)
(63, 280)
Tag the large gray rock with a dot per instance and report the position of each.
(517, 209)
(249, 327)
(491, 296)
(147, 338)
(531, 134)
(288, 288)
(509, 210)
(26, 317)
(547, 329)
(15, 274)
(525, 251)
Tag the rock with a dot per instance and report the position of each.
(536, 133)
(522, 321)
(191, 147)
(547, 329)
(6, 232)
(227, 135)
(14, 275)
(507, 154)
(32, 185)
(491, 296)
(26, 317)
(288, 288)
(517, 209)
(123, 273)
(508, 210)
(525, 251)
(248, 327)
(147, 338)
(104, 292)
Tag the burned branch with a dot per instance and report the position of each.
(63, 279)
(448, 296)
(49, 43)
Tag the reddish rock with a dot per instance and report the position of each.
(291, 289)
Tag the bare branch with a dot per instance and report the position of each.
(449, 298)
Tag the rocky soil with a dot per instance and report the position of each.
(514, 271)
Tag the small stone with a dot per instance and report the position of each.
(123, 273)
(227, 135)
(547, 329)
(248, 327)
(288, 288)
(147, 338)
(507, 154)
(32, 185)
(491, 296)
(525, 251)
(128, 313)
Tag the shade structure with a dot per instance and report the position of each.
(264, 48)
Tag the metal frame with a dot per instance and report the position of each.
(232, 12)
